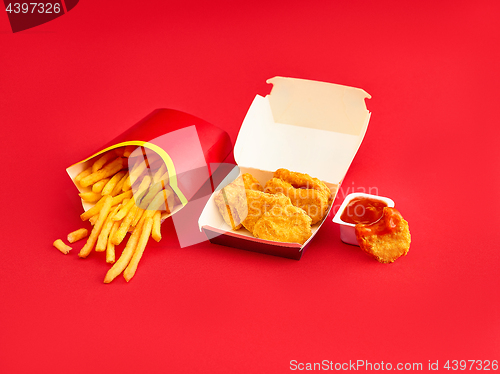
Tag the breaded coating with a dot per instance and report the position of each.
(314, 202)
(251, 183)
(231, 202)
(387, 239)
(259, 203)
(300, 180)
(284, 224)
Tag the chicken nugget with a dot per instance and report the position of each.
(387, 239)
(284, 224)
(251, 183)
(231, 202)
(259, 203)
(300, 180)
(314, 202)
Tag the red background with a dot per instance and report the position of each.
(73, 84)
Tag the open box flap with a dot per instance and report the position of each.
(305, 126)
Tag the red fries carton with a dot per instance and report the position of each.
(304, 126)
(175, 150)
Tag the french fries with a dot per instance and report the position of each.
(101, 161)
(128, 150)
(59, 244)
(119, 198)
(136, 171)
(115, 200)
(77, 235)
(93, 219)
(125, 257)
(119, 186)
(102, 241)
(119, 209)
(156, 230)
(124, 210)
(110, 248)
(98, 186)
(110, 186)
(90, 197)
(160, 173)
(123, 229)
(107, 171)
(120, 151)
(139, 250)
(153, 191)
(137, 217)
(83, 174)
(143, 187)
(164, 200)
(96, 230)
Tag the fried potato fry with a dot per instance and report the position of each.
(98, 206)
(156, 230)
(113, 215)
(134, 174)
(119, 198)
(83, 174)
(102, 240)
(139, 250)
(123, 229)
(142, 189)
(128, 150)
(107, 171)
(387, 239)
(90, 197)
(119, 186)
(87, 248)
(124, 210)
(127, 184)
(94, 210)
(151, 193)
(77, 235)
(93, 219)
(59, 244)
(101, 161)
(119, 151)
(314, 202)
(160, 173)
(164, 200)
(110, 247)
(126, 255)
(98, 186)
(137, 217)
(109, 187)
(284, 224)
(144, 185)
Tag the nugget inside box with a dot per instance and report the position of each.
(221, 226)
(304, 126)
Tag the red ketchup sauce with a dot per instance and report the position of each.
(363, 210)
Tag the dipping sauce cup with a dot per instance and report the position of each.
(359, 208)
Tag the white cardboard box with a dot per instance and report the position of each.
(305, 126)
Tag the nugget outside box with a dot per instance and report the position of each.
(302, 125)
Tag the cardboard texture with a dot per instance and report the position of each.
(305, 126)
